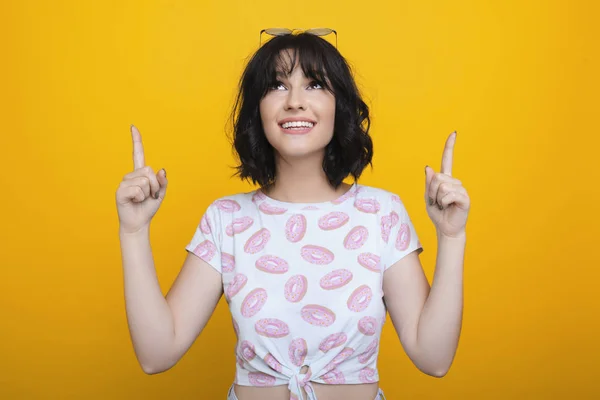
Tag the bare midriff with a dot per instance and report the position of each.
(363, 391)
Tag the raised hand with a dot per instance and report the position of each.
(447, 200)
(141, 191)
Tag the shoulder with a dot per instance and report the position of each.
(223, 210)
(232, 203)
(385, 198)
(373, 191)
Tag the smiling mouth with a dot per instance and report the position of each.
(297, 127)
(297, 130)
(297, 124)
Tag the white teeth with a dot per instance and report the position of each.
(297, 124)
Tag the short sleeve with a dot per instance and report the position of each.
(206, 241)
(398, 233)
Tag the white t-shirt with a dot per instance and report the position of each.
(304, 282)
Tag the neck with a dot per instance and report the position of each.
(303, 181)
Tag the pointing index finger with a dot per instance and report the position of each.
(138, 148)
(448, 154)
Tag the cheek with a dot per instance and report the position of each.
(264, 111)
(269, 103)
(267, 116)
(328, 115)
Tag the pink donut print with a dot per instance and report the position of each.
(273, 363)
(396, 198)
(206, 250)
(333, 220)
(367, 325)
(272, 328)
(345, 196)
(332, 341)
(370, 261)
(356, 237)
(258, 241)
(359, 299)
(334, 377)
(258, 196)
(318, 315)
(260, 379)
(370, 206)
(295, 288)
(238, 225)
(227, 262)
(367, 375)
(335, 279)
(387, 223)
(229, 206)
(272, 264)
(253, 302)
(295, 228)
(403, 238)
(365, 356)
(239, 361)
(247, 349)
(236, 284)
(236, 327)
(344, 354)
(297, 351)
(316, 254)
(205, 224)
(266, 208)
(338, 359)
(395, 218)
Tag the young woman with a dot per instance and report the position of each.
(308, 264)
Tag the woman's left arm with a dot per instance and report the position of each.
(428, 319)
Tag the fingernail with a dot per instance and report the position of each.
(430, 201)
(426, 170)
(440, 207)
(165, 172)
(156, 195)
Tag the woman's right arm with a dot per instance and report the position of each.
(163, 328)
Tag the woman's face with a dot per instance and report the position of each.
(298, 116)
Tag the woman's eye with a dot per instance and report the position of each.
(275, 85)
(278, 85)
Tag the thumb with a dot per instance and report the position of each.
(161, 176)
(428, 176)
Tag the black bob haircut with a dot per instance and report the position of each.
(350, 149)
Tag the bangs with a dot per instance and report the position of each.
(311, 64)
(303, 51)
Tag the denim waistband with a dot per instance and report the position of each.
(231, 394)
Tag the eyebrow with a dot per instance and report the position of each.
(282, 75)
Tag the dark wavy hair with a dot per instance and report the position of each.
(351, 148)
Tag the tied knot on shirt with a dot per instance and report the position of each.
(300, 381)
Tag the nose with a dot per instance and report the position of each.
(295, 99)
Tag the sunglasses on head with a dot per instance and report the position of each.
(286, 31)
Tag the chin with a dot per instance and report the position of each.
(299, 153)
(298, 147)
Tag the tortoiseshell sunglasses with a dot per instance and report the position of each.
(286, 31)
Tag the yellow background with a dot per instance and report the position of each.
(518, 80)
